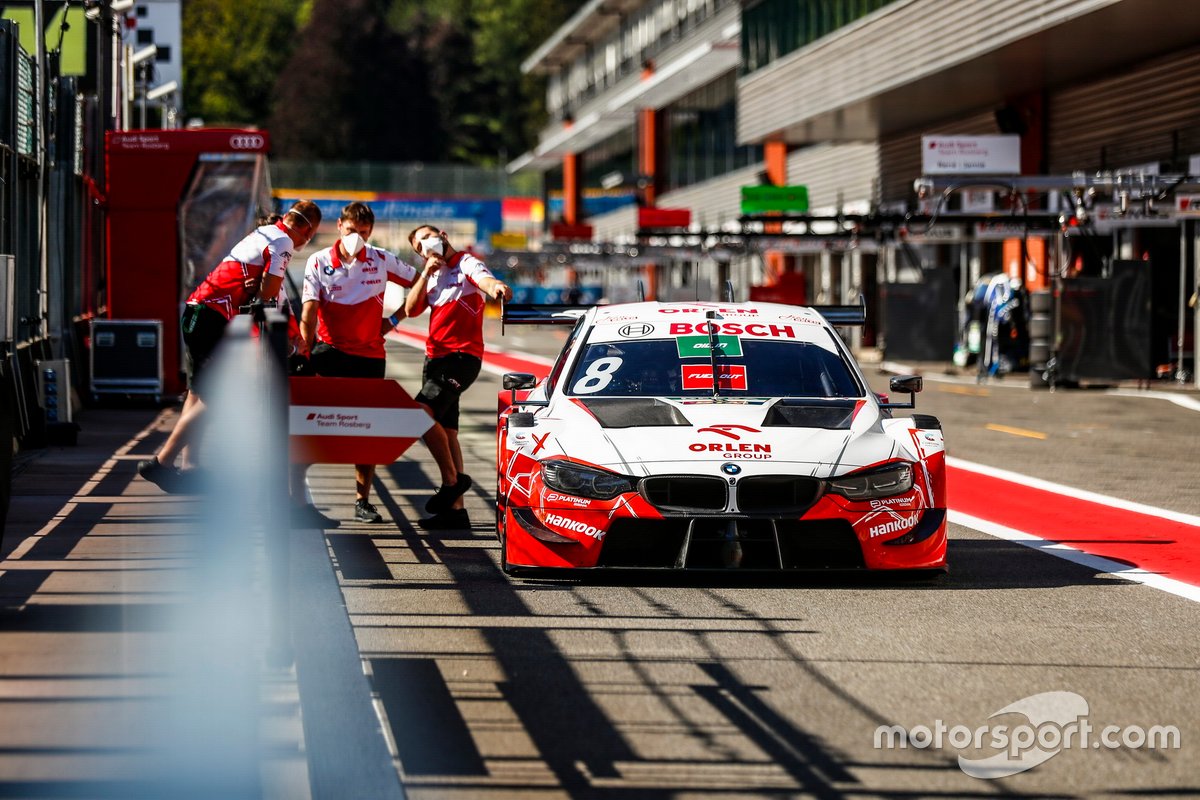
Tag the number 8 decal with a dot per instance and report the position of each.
(598, 375)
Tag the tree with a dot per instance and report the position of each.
(355, 90)
(232, 52)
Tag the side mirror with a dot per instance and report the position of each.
(519, 380)
(904, 384)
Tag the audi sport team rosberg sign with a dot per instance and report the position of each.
(352, 421)
(971, 155)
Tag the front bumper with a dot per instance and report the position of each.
(727, 542)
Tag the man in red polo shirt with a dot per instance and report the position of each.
(455, 286)
(343, 327)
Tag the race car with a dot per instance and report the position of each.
(629, 454)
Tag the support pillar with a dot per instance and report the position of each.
(572, 207)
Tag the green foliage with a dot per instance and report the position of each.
(233, 52)
(393, 80)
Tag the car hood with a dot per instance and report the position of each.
(697, 436)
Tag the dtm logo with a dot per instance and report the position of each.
(247, 141)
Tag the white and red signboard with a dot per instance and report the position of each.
(1187, 205)
(699, 376)
(352, 421)
(971, 155)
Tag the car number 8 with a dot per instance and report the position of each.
(598, 375)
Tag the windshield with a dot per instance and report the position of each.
(747, 368)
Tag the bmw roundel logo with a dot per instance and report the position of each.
(329, 270)
(730, 469)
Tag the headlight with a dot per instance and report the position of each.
(881, 483)
(584, 482)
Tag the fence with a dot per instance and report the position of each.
(443, 180)
(51, 234)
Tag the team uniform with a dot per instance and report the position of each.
(266, 250)
(454, 348)
(350, 309)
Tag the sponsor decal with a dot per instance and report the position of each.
(699, 346)
(574, 525)
(733, 329)
(898, 525)
(700, 376)
(636, 331)
(581, 502)
(718, 309)
(734, 449)
(879, 503)
(539, 443)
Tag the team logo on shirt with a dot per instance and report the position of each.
(328, 270)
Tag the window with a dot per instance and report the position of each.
(145, 36)
(756, 367)
(772, 29)
(164, 53)
(701, 135)
(142, 11)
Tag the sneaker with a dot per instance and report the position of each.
(365, 512)
(444, 497)
(307, 516)
(165, 478)
(454, 519)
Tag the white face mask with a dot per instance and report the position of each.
(353, 243)
(432, 245)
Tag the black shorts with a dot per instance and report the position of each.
(202, 329)
(330, 362)
(443, 380)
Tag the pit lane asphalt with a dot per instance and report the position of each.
(739, 685)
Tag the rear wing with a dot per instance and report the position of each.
(540, 314)
(844, 315)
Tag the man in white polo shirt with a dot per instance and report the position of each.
(343, 326)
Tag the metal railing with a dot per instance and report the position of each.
(443, 180)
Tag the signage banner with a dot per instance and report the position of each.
(971, 155)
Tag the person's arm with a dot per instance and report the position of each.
(276, 257)
(478, 274)
(494, 287)
(271, 285)
(308, 326)
(417, 301)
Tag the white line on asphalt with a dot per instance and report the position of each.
(1067, 553)
(1069, 491)
(396, 336)
(1180, 400)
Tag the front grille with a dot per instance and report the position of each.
(685, 493)
(777, 494)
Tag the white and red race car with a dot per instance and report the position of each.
(630, 455)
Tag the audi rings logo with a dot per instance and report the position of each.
(247, 141)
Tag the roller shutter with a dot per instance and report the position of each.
(1150, 113)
